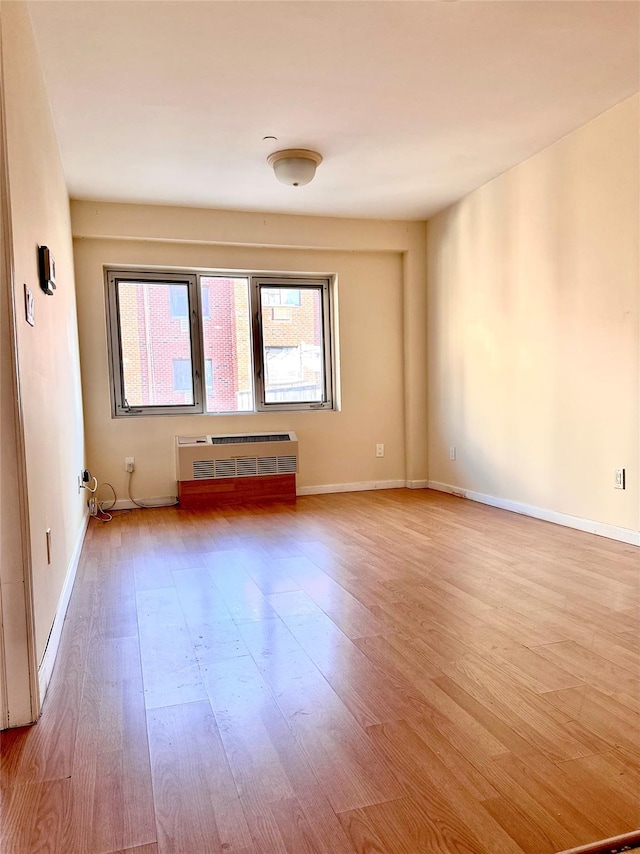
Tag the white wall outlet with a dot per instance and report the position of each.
(380, 450)
(620, 479)
(452, 452)
(48, 536)
(129, 464)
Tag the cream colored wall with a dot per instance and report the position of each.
(533, 328)
(48, 359)
(335, 447)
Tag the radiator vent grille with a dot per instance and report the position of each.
(247, 467)
(203, 469)
(244, 467)
(225, 468)
(267, 465)
(287, 465)
(245, 440)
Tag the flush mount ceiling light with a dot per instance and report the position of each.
(294, 166)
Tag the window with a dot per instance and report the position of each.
(265, 340)
(154, 360)
(182, 375)
(283, 365)
(226, 343)
(179, 301)
(206, 311)
(281, 296)
(292, 346)
(208, 374)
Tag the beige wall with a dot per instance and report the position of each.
(533, 330)
(48, 360)
(335, 447)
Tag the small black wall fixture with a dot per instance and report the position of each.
(47, 267)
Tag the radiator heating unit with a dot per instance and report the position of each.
(236, 469)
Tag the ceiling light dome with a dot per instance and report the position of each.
(294, 166)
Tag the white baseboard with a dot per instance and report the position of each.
(589, 526)
(417, 484)
(51, 650)
(362, 486)
(445, 487)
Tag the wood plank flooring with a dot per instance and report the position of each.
(397, 672)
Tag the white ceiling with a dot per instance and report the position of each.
(411, 104)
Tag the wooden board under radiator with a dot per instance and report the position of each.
(216, 492)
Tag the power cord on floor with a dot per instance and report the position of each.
(140, 504)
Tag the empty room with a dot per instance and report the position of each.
(320, 426)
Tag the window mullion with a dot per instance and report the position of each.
(197, 344)
(258, 349)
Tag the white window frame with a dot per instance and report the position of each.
(256, 281)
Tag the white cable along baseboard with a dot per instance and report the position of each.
(589, 526)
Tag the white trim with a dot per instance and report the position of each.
(158, 501)
(45, 669)
(417, 484)
(445, 487)
(362, 486)
(589, 526)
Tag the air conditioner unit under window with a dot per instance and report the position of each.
(236, 468)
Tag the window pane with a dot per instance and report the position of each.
(179, 301)
(270, 296)
(206, 312)
(227, 344)
(283, 365)
(152, 336)
(182, 375)
(289, 296)
(293, 347)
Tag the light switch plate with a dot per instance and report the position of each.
(29, 305)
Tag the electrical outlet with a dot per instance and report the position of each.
(380, 450)
(620, 479)
(129, 464)
(452, 452)
(48, 535)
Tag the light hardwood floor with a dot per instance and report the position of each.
(397, 672)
